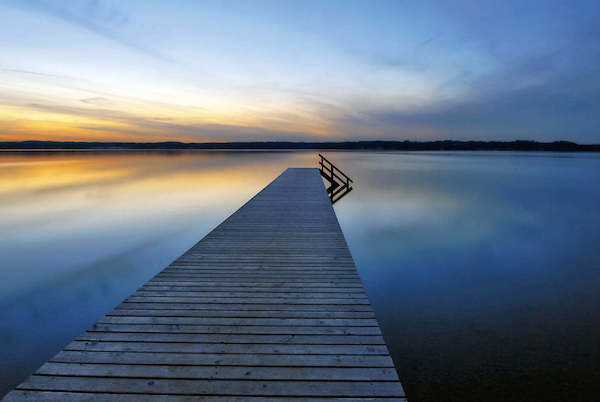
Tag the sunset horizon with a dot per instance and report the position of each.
(306, 71)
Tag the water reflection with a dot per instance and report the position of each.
(483, 270)
(482, 267)
(82, 230)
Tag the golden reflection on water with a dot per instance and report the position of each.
(21, 173)
(102, 201)
(144, 180)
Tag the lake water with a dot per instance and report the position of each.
(483, 268)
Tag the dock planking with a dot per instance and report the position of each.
(268, 306)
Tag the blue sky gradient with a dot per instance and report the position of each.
(283, 70)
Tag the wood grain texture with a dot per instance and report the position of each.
(267, 306)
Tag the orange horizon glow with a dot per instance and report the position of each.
(27, 123)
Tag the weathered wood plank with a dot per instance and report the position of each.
(237, 348)
(249, 300)
(157, 386)
(59, 396)
(252, 284)
(247, 307)
(252, 289)
(250, 295)
(219, 372)
(280, 278)
(234, 279)
(236, 329)
(230, 359)
(288, 322)
(268, 306)
(275, 280)
(258, 275)
(238, 314)
(233, 338)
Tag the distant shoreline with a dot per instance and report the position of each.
(556, 146)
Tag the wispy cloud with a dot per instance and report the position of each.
(97, 100)
(128, 125)
(101, 17)
(28, 72)
(530, 98)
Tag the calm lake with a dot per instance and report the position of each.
(483, 268)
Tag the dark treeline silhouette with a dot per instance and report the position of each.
(448, 145)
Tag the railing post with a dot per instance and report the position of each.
(332, 179)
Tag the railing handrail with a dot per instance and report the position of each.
(339, 186)
(335, 168)
(334, 174)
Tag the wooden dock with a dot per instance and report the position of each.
(268, 306)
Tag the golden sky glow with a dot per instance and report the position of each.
(297, 71)
(49, 111)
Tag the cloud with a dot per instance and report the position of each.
(428, 40)
(98, 100)
(130, 125)
(152, 130)
(546, 97)
(28, 72)
(102, 18)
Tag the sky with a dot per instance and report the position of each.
(299, 70)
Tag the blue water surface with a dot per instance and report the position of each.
(483, 267)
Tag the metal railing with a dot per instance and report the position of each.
(339, 182)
